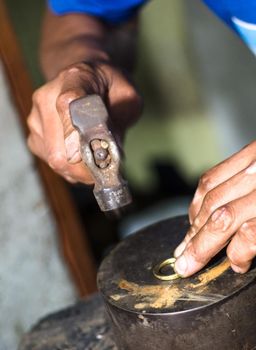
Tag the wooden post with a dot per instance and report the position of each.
(71, 234)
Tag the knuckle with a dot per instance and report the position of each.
(206, 183)
(30, 122)
(211, 201)
(72, 69)
(251, 169)
(131, 93)
(57, 161)
(222, 219)
(247, 233)
(37, 96)
(229, 211)
(65, 98)
(33, 124)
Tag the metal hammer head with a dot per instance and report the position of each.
(100, 152)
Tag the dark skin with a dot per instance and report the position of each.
(68, 42)
(77, 58)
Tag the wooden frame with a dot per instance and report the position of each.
(70, 231)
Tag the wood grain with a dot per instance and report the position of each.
(71, 234)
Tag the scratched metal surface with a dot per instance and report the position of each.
(125, 277)
(79, 327)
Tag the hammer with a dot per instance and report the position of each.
(100, 153)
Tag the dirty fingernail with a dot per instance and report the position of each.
(180, 249)
(181, 265)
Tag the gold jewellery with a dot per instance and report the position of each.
(158, 270)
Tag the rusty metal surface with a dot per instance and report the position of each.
(100, 152)
(82, 326)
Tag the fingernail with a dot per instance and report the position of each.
(181, 265)
(236, 268)
(180, 249)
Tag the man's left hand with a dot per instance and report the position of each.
(222, 213)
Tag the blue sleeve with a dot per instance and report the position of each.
(239, 15)
(112, 11)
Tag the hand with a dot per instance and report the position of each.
(52, 136)
(223, 212)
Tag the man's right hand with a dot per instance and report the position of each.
(52, 136)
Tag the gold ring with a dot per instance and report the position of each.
(157, 270)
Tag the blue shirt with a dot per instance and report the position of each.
(238, 14)
(112, 11)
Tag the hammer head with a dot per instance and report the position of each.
(100, 152)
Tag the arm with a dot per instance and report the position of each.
(223, 212)
(77, 58)
(79, 37)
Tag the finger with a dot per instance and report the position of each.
(72, 144)
(182, 246)
(124, 101)
(79, 172)
(220, 173)
(70, 179)
(53, 149)
(242, 249)
(36, 146)
(71, 136)
(237, 186)
(54, 140)
(215, 234)
(34, 122)
(62, 105)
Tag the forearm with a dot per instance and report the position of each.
(78, 37)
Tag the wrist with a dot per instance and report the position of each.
(70, 39)
(55, 59)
